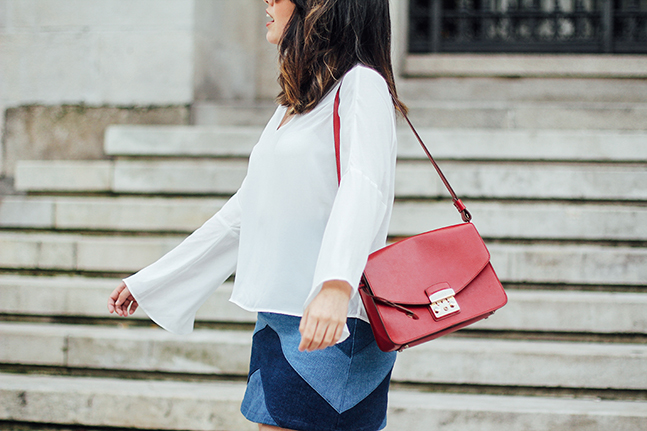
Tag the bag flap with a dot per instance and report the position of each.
(403, 271)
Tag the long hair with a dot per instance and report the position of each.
(323, 40)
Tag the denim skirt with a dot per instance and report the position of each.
(341, 388)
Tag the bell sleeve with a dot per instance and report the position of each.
(362, 206)
(172, 289)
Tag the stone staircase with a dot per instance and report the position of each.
(563, 210)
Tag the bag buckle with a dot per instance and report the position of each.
(443, 303)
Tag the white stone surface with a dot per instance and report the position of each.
(570, 311)
(495, 219)
(524, 363)
(112, 51)
(2, 110)
(524, 89)
(27, 213)
(130, 404)
(448, 360)
(489, 144)
(518, 263)
(121, 253)
(24, 345)
(515, 180)
(578, 264)
(49, 175)
(214, 405)
(527, 65)
(444, 143)
(36, 251)
(203, 351)
(536, 115)
(415, 411)
(78, 252)
(180, 140)
(233, 113)
(15, 252)
(56, 254)
(140, 214)
(81, 296)
(527, 220)
(233, 59)
(527, 310)
(194, 176)
(60, 295)
(604, 116)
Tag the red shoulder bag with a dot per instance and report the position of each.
(430, 284)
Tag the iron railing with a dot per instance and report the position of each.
(533, 26)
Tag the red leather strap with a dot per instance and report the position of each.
(337, 125)
(388, 303)
(465, 214)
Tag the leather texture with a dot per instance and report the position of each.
(407, 272)
(399, 279)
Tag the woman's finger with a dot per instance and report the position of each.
(318, 337)
(114, 296)
(321, 321)
(319, 334)
(133, 307)
(122, 301)
(307, 335)
(333, 334)
(123, 296)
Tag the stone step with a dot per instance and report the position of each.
(522, 90)
(107, 214)
(131, 176)
(148, 404)
(549, 115)
(479, 144)
(529, 220)
(232, 114)
(138, 404)
(570, 311)
(487, 114)
(447, 360)
(514, 262)
(527, 310)
(180, 141)
(87, 297)
(482, 180)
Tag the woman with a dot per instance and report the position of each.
(297, 238)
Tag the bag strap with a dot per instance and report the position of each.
(462, 209)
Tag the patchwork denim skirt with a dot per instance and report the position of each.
(341, 388)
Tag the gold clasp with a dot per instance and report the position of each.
(443, 303)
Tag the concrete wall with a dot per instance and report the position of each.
(101, 58)
(122, 52)
(85, 64)
(233, 61)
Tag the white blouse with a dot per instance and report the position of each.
(290, 227)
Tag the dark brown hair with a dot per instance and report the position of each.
(323, 40)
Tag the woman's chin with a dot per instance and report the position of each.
(271, 39)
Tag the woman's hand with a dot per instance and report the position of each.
(120, 299)
(323, 321)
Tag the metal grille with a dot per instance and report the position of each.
(539, 26)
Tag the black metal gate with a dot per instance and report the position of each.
(531, 26)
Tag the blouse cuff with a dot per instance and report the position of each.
(171, 290)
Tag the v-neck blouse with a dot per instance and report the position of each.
(290, 227)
